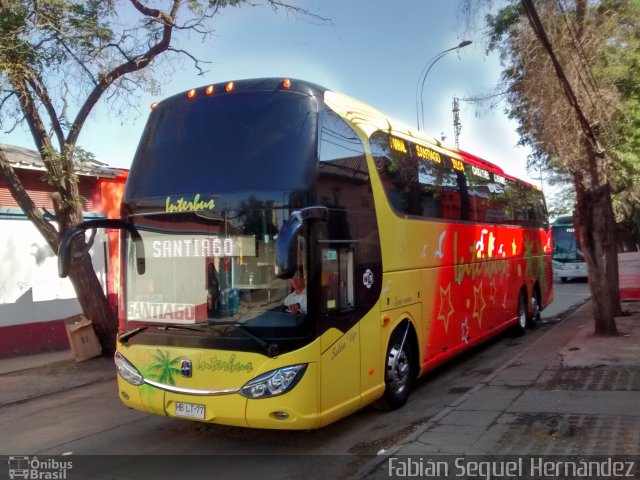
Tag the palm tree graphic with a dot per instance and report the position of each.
(165, 368)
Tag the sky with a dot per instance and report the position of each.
(372, 50)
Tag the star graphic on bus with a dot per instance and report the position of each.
(465, 330)
(493, 291)
(446, 307)
(478, 304)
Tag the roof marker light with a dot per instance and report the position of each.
(229, 86)
(286, 83)
(209, 90)
(154, 105)
(191, 93)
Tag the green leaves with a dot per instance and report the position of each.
(165, 367)
(14, 50)
(598, 45)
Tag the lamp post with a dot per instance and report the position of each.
(425, 72)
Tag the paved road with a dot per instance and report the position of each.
(91, 420)
(567, 295)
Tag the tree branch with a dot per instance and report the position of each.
(133, 65)
(165, 18)
(38, 132)
(22, 197)
(38, 86)
(5, 99)
(538, 28)
(196, 61)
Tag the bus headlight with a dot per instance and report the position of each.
(127, 371)
(273, 383)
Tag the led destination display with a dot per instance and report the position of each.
(213, 246)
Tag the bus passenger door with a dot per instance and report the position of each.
(340, 363)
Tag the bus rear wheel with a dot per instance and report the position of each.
(399, 369)
(520, 327)
(534, 318)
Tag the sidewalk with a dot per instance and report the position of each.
(28, 377)
(567, 393)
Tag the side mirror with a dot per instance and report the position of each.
(64, 250)
(286, 254)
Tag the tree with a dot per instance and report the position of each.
(621, 67)
(553, 54)
(64, 56)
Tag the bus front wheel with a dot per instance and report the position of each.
(399, 369)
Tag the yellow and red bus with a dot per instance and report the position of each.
(411, 252)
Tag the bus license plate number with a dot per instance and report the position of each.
(190, 410)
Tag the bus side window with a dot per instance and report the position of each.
(337, 279)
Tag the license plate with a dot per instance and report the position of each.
(190, 410)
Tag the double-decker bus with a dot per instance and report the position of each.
(410, 253)
(568, 261)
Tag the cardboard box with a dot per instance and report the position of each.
(82, 338)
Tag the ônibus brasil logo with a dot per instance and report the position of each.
(32, 468)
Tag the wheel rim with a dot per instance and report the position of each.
(522, 316)
(398, 369)
(535, 304)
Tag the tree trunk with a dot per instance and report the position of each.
(593, 224)
(611, 252)
(81, 273)
(93, 301)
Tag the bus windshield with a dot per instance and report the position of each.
(565, 246)
(209, 268)
(213, 180)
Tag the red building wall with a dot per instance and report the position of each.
(19, 335)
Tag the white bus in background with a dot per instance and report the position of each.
(568, 261)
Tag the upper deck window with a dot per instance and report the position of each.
(422, 182)
(256, 140)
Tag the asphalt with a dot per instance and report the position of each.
(567, 392)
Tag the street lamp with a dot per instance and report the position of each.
(425, 72)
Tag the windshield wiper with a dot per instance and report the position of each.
(178, 326)
(270, 349)
(125, 336)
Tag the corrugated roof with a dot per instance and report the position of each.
(20, 157)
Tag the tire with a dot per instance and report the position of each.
(564, 279)
(534, 318)
(399, 369)
(520, 328)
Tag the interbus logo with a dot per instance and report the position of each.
(182, 205)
